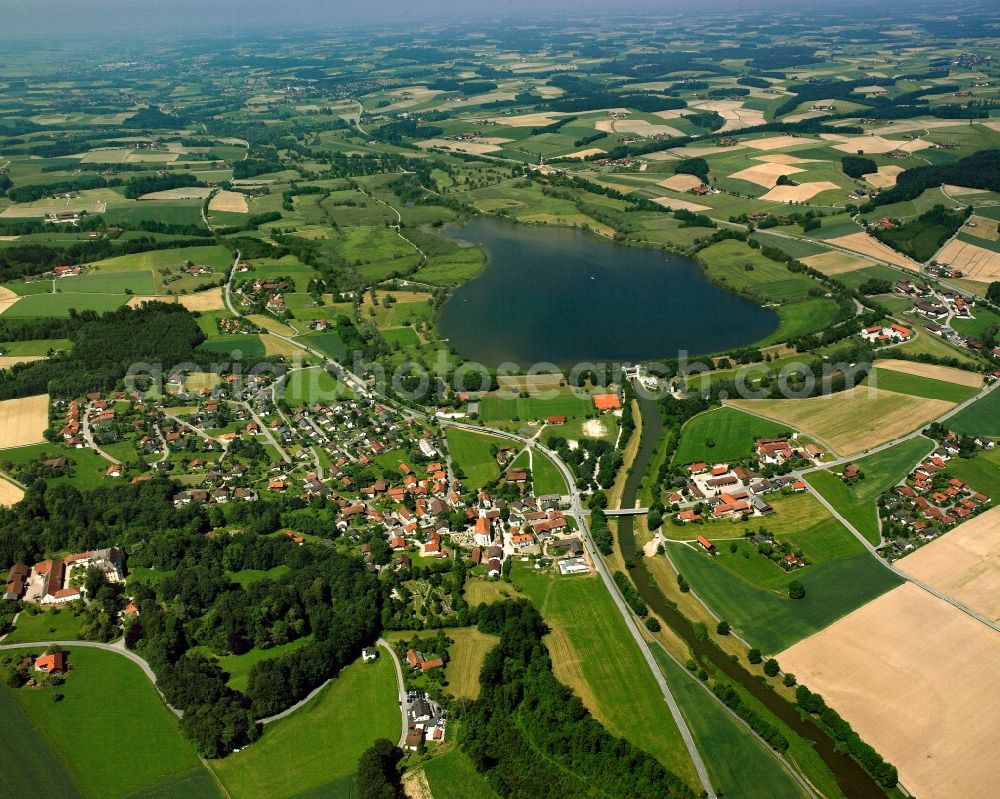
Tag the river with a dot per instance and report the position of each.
(565, 296)
(854, 781)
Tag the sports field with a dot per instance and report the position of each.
(466, 660)
(22, 421)
(964, 563)
(493, 408)
(856, 502)
(316, 749)
(594, 653)
(916, 678)
(471, 452)
(723, 434)
(851, 421)
(92, 726)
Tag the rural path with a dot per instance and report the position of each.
(578, 513)
(404, 706)
(118, 647)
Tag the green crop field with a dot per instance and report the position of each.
(766, 617)
(249, 346)
(982, 418)
(738, 764)
(129, 726)
(471, 452)
(594, 653)
(723, 434)
(451, 775)
(917, 386)
(330, 344)
(138, 282)
(737, 266)
(169, 212)
(58, 305)
(318, 745)
(856, 502)
(493, 408)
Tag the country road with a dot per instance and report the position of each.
(404, 707)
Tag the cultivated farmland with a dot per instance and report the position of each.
(851, 421)
(22, 421)
(466, 660)
(916, 678)
(964, 564)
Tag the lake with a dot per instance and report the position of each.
(561, 295)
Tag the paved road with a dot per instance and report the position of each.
(404, 707)
(88, 437)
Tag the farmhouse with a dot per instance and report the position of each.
(883, 334)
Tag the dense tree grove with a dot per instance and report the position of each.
(378, 775)
(530, 736)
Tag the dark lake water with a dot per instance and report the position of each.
(564, 296)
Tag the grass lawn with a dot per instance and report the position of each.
(982, 418)
(314, 385)
(545, 477)
(247, 577)
(738, 764)
(451, 775)
(36, 346)
(321, 742)
(918, 386)
(479, 590)
(723, 434)
(250, 346)
(766, 617)
(87, 470)
(328, 343)
(856, 502)
(466, 660)
(139, 282)
(798, 319)
(128, 726)
(471, 452)
(594, 653)
(238, 666)
(493, 408)
(58, 624)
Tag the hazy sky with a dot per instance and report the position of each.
(90, 17)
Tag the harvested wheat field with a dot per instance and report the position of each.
(877, 144)
(640, 127)
(885, 177)
(776, 142)
(681, 182)
(208, 300)
(800, 193)
(976, 263)
(964, 564)
(946, 373)
(135, 302)
(916, 678)
(863, 244)
(959, 190)
(9, 493)
(22, 421)
(7, 299)
(279, 346)
(784, 158)
(7, 361)
(526, 120)
(734, 113)
(765, 175)
(466, 661)
(186, 193)
(984, 228)
(851, 421)
(835, 262)
(677, 205)
(232, 201)
(585, 153)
